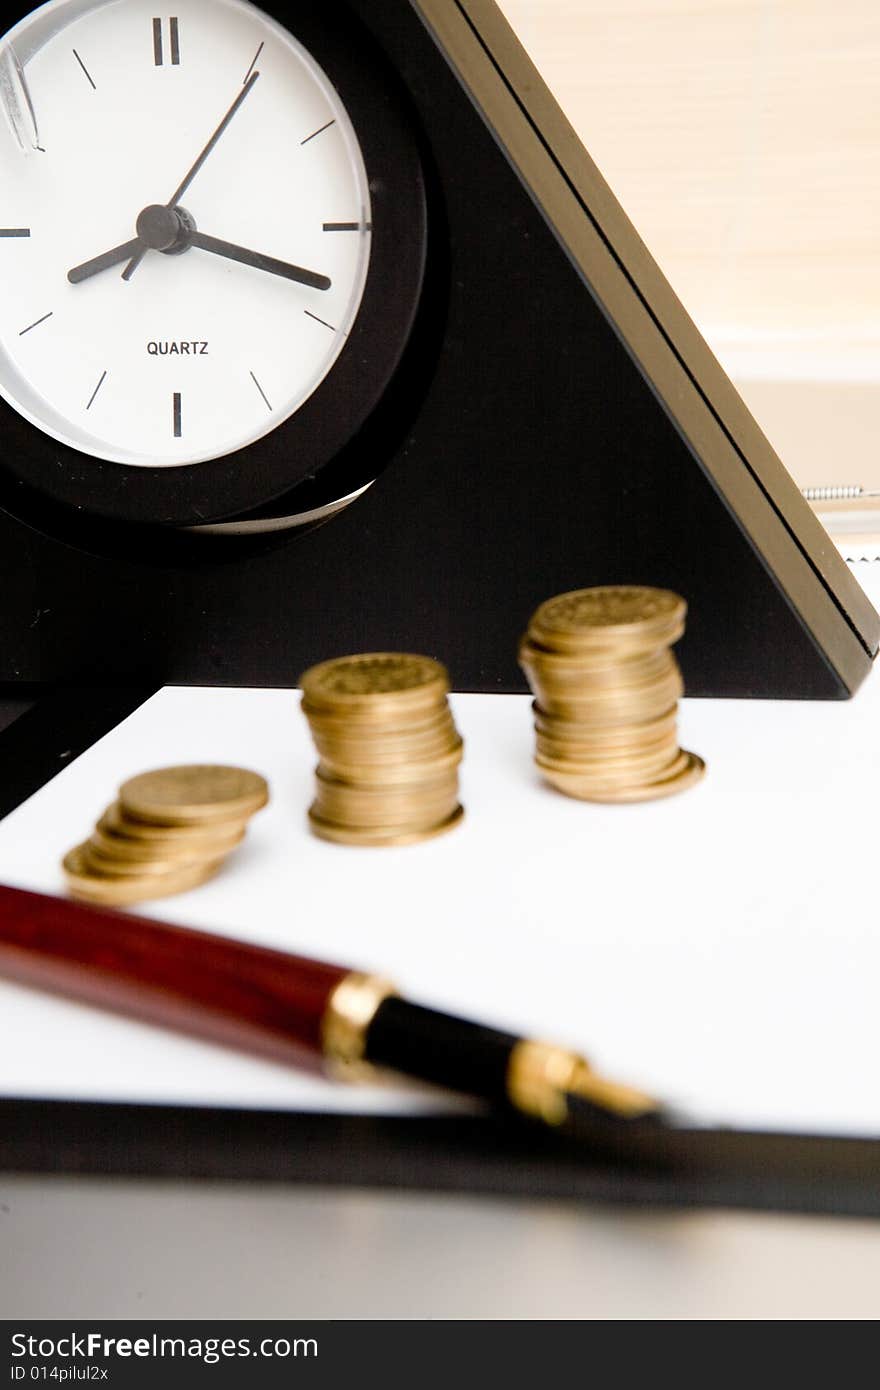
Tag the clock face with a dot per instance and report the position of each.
(185, 227)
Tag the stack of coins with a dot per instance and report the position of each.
(388, 747)
(607, 689)
(169, 831)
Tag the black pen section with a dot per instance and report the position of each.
(436, 1047)
(649, 1139)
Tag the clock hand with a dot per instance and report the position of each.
(258, 260)
(246, 89)
(159, 228)
(186, 237)
(104, 262)
(187, 180)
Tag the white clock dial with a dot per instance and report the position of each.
(244, 270)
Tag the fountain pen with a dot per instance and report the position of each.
(300, 1011)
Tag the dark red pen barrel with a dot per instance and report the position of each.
(214, 987)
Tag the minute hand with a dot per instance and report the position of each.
(191, 173)
(258, 260)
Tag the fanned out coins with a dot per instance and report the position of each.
(389, 749)
(607, 688)
(169, 831)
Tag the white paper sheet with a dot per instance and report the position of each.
(721, 949)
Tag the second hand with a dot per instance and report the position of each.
(187, 180)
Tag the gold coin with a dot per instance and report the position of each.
(388, 747)
(383, 826)
(589, 765)
(132, 848)
(634, 708)
(610, 666)
(622, 648)
(389, 750)
(374, 717)
(392, 748)
(636, 731)
(403, 777)
(606, 615)
(392, 773)
(392, 680)
(378, 720)
(364, 817)
(688, 771)
(633, 774)
(580, 687)
(383, 807)
(113, 867)
(573, 693)
(573, 740)
(432, 778)
(382, 803)
(607, 689)
(352, 767)
(387, 837)
(616, 672)
(115, 821)
(660, 692)
(83, 882)
(644, 764)
(198, 794)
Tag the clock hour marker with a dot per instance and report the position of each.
(35, 323)
(342, 226)
(95, 392)
(176, 415)
(173, 42)
(15, 231)
(317, 320)
(261, 391)
(317, 132)
(253, 64)
(85, 69)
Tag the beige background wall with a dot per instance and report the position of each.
(743, 139)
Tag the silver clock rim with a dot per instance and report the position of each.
(267, 526)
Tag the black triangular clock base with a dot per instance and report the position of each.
(555, 422)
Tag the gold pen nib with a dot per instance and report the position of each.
(541, 1077)
(625, 1101)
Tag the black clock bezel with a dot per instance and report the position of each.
(251, 477)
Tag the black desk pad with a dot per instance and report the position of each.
(469, 1153)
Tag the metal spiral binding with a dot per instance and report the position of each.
(836, 494)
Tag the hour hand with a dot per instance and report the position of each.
(104, 262)
(259, 261)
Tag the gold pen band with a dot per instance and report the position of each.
(349, 1011)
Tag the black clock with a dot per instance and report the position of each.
(212, 252)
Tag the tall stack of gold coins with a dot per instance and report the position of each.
(169, 831)
(607, 689)
(389, 749)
